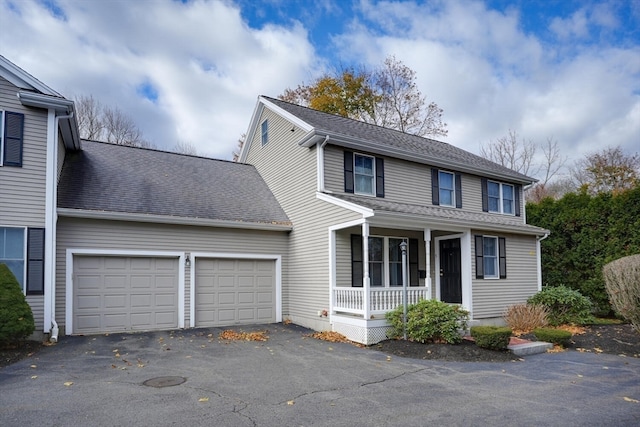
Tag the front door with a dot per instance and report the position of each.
(450, 271)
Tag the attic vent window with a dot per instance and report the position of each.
(265, 132)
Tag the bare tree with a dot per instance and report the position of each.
(185, 147)
(387, 96)
(105, 123)
(608, 170)
(511, 153)
(238, 150)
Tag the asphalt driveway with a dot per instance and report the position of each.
(293, 380)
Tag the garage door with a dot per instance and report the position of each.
(235, 291)
(117, 294)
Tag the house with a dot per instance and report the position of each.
(308, 227)
(355, 192)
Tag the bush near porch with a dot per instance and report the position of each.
(16, 318)
(429, 321)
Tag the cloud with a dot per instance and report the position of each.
(184, 71)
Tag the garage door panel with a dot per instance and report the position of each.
(234, 291)
(124, 293)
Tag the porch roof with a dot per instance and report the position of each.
(446, 216)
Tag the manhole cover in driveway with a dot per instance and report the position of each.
(164, 382)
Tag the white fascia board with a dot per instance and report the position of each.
(162, 219)
(20, 78)
(306, 127)
(31, 99)
(365, 212)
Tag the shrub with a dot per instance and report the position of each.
(555, 336)
(430, 321)
(16, 318)
(565, 305)
(491, 337)
(622, 282)
(526, 317)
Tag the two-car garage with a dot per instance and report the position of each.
(122, 292)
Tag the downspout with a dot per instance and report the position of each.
(320, 164)
(53, 336)
(539, 256)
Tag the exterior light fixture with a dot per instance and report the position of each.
(187, 262)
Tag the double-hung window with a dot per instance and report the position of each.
(363, 174)
(11, 135)
(491, 257)
(500, 198)
(385, 261)
(446, 188)
(12, 251)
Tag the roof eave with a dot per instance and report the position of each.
(62, 107)
(20, 78)
(174, 220)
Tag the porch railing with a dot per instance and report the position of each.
(381, 300)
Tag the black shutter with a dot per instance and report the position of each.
(379, 177)
(357, 271)
(414, 276)
(435, 187)
(35, 261)
(13, 131)
(517, 189)
(485, 194)
(479, 258)
(458, 191)
(503, 257)
(348, 172)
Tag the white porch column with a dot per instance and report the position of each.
(427, 251)
(366, 281)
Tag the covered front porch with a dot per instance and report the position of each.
(366, 272)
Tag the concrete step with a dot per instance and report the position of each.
(530, 347)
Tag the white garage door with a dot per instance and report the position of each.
(235, 291)
(117, 294)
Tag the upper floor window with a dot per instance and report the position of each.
(500, 197)
(363, 174)
(446, 188)
(11, 135)
(265, 132)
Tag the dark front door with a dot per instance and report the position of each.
(450, 271)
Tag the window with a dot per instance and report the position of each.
(363, 174)
(491, 258)
(385, 261)
(446, 188)
(500, 198)
(265, 132)
(11, 131)
(12, 249)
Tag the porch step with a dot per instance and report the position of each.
(529, 347)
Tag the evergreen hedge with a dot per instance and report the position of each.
(16, 318)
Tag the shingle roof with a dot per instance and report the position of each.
(114, 178)
(435, 213)
(439, 153)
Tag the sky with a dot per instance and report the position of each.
(191, 71)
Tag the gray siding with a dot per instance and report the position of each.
(120, 235)
(23, 189)
(404, 181)
(290, 172)
(492, 296)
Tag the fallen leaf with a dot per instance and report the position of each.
(34, 366)
(597, 350)
(580, 376)
(68, 384)
(628, 399)
(290, 402)
(113, 366)
(203, 399)
(33, 377)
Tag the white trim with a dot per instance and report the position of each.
(22, 79)
(453, 190)
(332, 271)
(227, 255)
(50, 221)
(287, 115)
(501, 198)
(2, 138)
(497, 262)
(71, 252)
(365, 212)
(164, 219)
(373, 175)
(465, 266)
